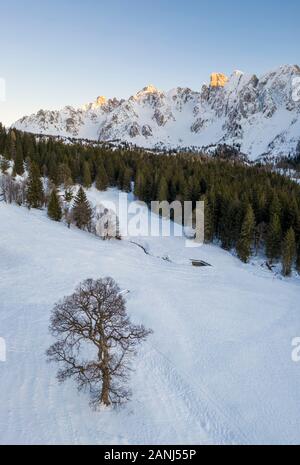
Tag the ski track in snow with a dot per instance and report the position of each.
(216, 370)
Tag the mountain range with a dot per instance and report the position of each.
(258, 115)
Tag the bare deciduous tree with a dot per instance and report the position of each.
(95, 340)
(12, 190)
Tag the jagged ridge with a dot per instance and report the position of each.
(256, 115)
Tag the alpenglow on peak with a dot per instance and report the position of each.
(218, 80)
(150, 89)
(101, 100)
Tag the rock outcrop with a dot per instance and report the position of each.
(101, 100)
(218, 80)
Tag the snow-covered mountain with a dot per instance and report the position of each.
(258, 115)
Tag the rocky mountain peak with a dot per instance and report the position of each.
(101, 100)
(150, 89)
(146, 92)
(218, 80)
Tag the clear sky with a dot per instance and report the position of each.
(55, 53)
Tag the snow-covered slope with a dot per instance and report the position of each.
(259, 115)
(217, 369)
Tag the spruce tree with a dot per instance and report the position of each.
(101, 180)
(110, 170)
(208, 220)
(4, 165)
(34, 190)
(18, 161)
(273, 241)
(163, 190)
(275, 207)
(182, 193)
(82, 211)
(11, 145)
(54, 208)
(64, 175)
(53, 170)
(139, 185)
(148, 193)
(126, 181)
(246, 236)
(288, 252)
(87, 179)
(227, 221)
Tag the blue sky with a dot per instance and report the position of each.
(63, 52)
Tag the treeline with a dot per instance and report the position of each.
(249, 208)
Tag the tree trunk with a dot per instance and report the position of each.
(105, 387)
(105, 376)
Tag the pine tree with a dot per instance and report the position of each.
(275, 207)
(182, 194)
(273, 242)
(34, 190)
(54, 208)
(110, 170)
(163, 190)
(208, 220)
(126, 181)
(246, 236)
(101, 180)
(288, 252)
(53, 170)
(148, 193)
(18, 161)
(4, 165)
(139, 185)
(64, 175)
(11, 145)
(227, 220)
(87, 179)
(82, 211)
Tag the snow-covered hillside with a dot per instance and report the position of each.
(258, 115)
(217, 369)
